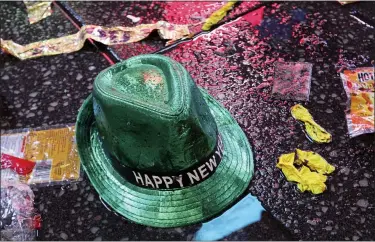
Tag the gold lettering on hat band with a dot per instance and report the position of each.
(189, 177)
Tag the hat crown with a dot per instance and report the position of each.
(151, 116)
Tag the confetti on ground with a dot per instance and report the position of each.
(292, 80)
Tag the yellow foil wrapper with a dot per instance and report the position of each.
(38, 10)
(306, 179)
(107, 36)
(218, 15)
(314, 131)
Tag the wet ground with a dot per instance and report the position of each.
(234, 62)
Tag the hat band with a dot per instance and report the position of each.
(186, 178)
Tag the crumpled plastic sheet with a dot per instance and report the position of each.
(17, 208)
(218, 15)
(107, 36)
(38, 10)
(306, 177)
(313, 131)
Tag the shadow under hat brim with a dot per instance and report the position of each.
(172, 208)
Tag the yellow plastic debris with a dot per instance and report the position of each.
(38, 10)
(314, 161)
(218, 15)
(313, 130)
(311, 181)
(307, 180)
(286, 165)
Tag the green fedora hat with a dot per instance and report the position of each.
(159, 150)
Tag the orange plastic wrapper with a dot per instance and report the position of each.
(105, 35)
(359, 88)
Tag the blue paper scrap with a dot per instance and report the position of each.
(245, 212)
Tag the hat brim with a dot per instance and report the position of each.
(169, 208)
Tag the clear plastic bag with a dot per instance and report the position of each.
(292, 80)
(17, 208)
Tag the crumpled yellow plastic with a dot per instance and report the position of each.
(218, 15)
(314, 161)
(311, 181)
(314, 131)
(307, 180)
